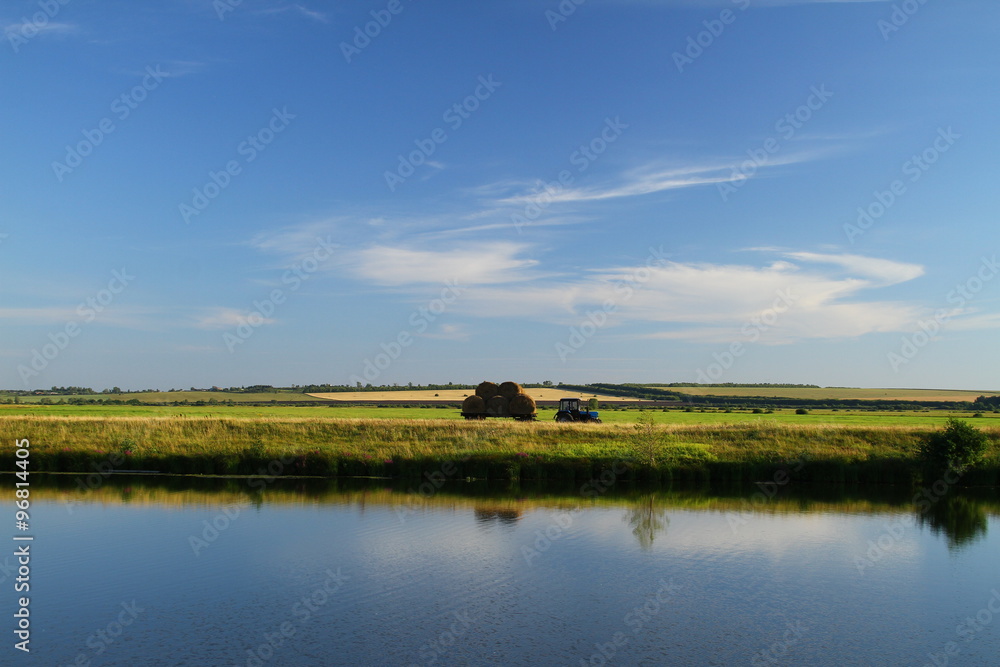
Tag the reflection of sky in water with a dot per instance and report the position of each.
(463, 569)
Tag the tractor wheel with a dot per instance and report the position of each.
(563, 418)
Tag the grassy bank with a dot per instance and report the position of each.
(747, 450)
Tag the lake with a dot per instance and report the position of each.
(175, 571)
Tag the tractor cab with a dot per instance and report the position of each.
(569, 411)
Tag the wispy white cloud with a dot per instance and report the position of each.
(28, 29)
(299, 9)
(486, 263)
(747, 4)
(701, 302)
(884, 271)
(298, 240)
(643, 180)
(455, 332)
(178, 68)
(222, 317)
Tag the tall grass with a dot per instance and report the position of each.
(490, 449)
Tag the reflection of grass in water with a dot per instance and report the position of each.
(962, 517)
(182, 491)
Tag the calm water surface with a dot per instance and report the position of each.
(166, 572)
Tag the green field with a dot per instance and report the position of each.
(673, 416)
(327, 412)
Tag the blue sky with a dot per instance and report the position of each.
(204, 193)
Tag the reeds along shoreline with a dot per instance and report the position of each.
(482, 450)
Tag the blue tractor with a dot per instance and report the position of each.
(569, 411)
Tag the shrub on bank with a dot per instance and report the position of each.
(958, 446)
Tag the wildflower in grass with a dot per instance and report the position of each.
(387, 461)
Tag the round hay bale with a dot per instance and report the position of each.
(498, 406)
(509, 390)
(474, 405)
(522, 404)
(487, 390)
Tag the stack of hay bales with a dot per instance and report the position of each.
(504, 400)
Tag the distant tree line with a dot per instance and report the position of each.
(651, 393)
(333, 388)
(987, 402)
(760, 385)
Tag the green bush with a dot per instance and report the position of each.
(958, 445)
(801, 411)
